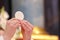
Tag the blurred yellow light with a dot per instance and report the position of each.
(44, 37)
(36, 35)
(37, 32)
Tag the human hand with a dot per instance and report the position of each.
(11, 26)
(27, 29)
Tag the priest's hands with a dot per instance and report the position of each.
(27, 29)
(11, 26)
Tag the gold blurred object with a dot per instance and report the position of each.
(40, 34)
(38, 31)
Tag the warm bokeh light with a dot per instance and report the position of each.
(40, 34)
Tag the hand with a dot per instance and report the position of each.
(27, 29)
(11, 26)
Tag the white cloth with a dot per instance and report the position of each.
(1, 38)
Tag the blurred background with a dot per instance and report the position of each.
(43, 14)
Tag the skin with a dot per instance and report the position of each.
(26, 30)
(11, 26)
(1, 32)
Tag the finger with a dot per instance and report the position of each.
(10, 30)
(13, 22)
(27, 26)
(26, 23)
(24, 27)
(16, 20)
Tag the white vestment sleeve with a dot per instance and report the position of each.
(1, 38)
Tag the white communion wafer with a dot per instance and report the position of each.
(19, 15)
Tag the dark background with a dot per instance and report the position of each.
(7, 5)
(51, 8)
